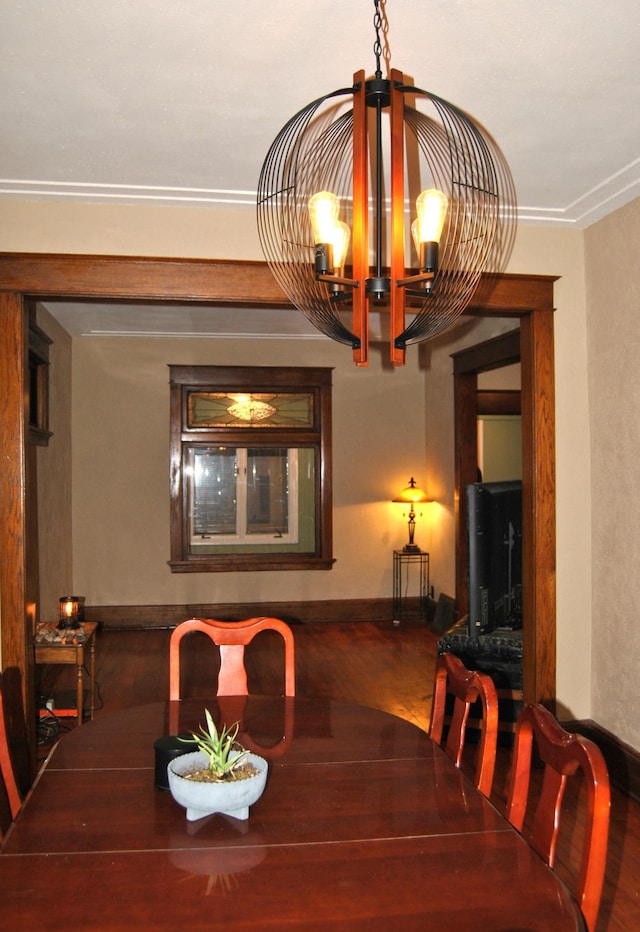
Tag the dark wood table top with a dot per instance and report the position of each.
(364, 823)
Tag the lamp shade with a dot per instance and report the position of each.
(412, 494)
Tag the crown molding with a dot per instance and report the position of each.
(613, 192)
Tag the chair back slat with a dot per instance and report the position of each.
(6, 768)
(231, 637)
(232, 677)
(467, 686)
(563, 754)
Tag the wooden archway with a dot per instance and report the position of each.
(25, 277)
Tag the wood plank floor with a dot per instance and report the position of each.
(369, 664)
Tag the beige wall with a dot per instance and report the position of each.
(185, 232)
(202, 232)
(121, 471)
(613, 317)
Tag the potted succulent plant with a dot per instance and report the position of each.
(220, 776)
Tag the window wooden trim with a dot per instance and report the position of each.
(317, 381)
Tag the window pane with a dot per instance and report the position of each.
(267, 491)
(251, 498)
(214, 492)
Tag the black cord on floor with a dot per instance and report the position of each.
(98, 696)
(49, 728)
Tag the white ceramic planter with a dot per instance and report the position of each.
(202, 799)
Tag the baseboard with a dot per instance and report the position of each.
(623, 761)
(166, 616)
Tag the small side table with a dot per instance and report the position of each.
(410, 568)
(66, 651)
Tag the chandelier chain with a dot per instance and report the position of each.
(381, 25)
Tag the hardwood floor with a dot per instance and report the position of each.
(370, 664)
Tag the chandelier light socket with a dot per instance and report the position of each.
(378, 287)
(324, 259)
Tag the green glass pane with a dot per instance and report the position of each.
(249, 409)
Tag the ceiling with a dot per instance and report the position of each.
(168, 103)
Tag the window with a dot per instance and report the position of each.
(242, 495)
(251, 468)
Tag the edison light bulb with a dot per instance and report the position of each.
(431, 207)
(324, 208)
(426, 229)
(341, 235)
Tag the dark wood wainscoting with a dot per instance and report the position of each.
(332, 610)
(623, 761)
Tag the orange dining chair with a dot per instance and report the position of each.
(562, 754)
(466, 686)
(231, 637)
(6, 768)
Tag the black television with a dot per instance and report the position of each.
(494, 515)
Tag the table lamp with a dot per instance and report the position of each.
(411, 496)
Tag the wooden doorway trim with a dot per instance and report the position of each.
(532, 346)
(243, 284)
(468, 363)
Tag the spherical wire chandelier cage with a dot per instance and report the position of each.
(443, 148)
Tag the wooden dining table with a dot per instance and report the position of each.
(364, 824)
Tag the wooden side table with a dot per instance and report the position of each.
(70, 650)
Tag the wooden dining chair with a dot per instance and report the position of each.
(466, 686)
(232, 638)
(6, 768)
(562, 754)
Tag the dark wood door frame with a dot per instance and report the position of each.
(250, 284)
(468, 363)
(532, 346)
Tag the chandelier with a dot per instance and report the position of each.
(334, 209)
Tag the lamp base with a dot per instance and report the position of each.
(68, 624)
(411, 548)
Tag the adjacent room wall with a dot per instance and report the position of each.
(439, 439)
(121, 471)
